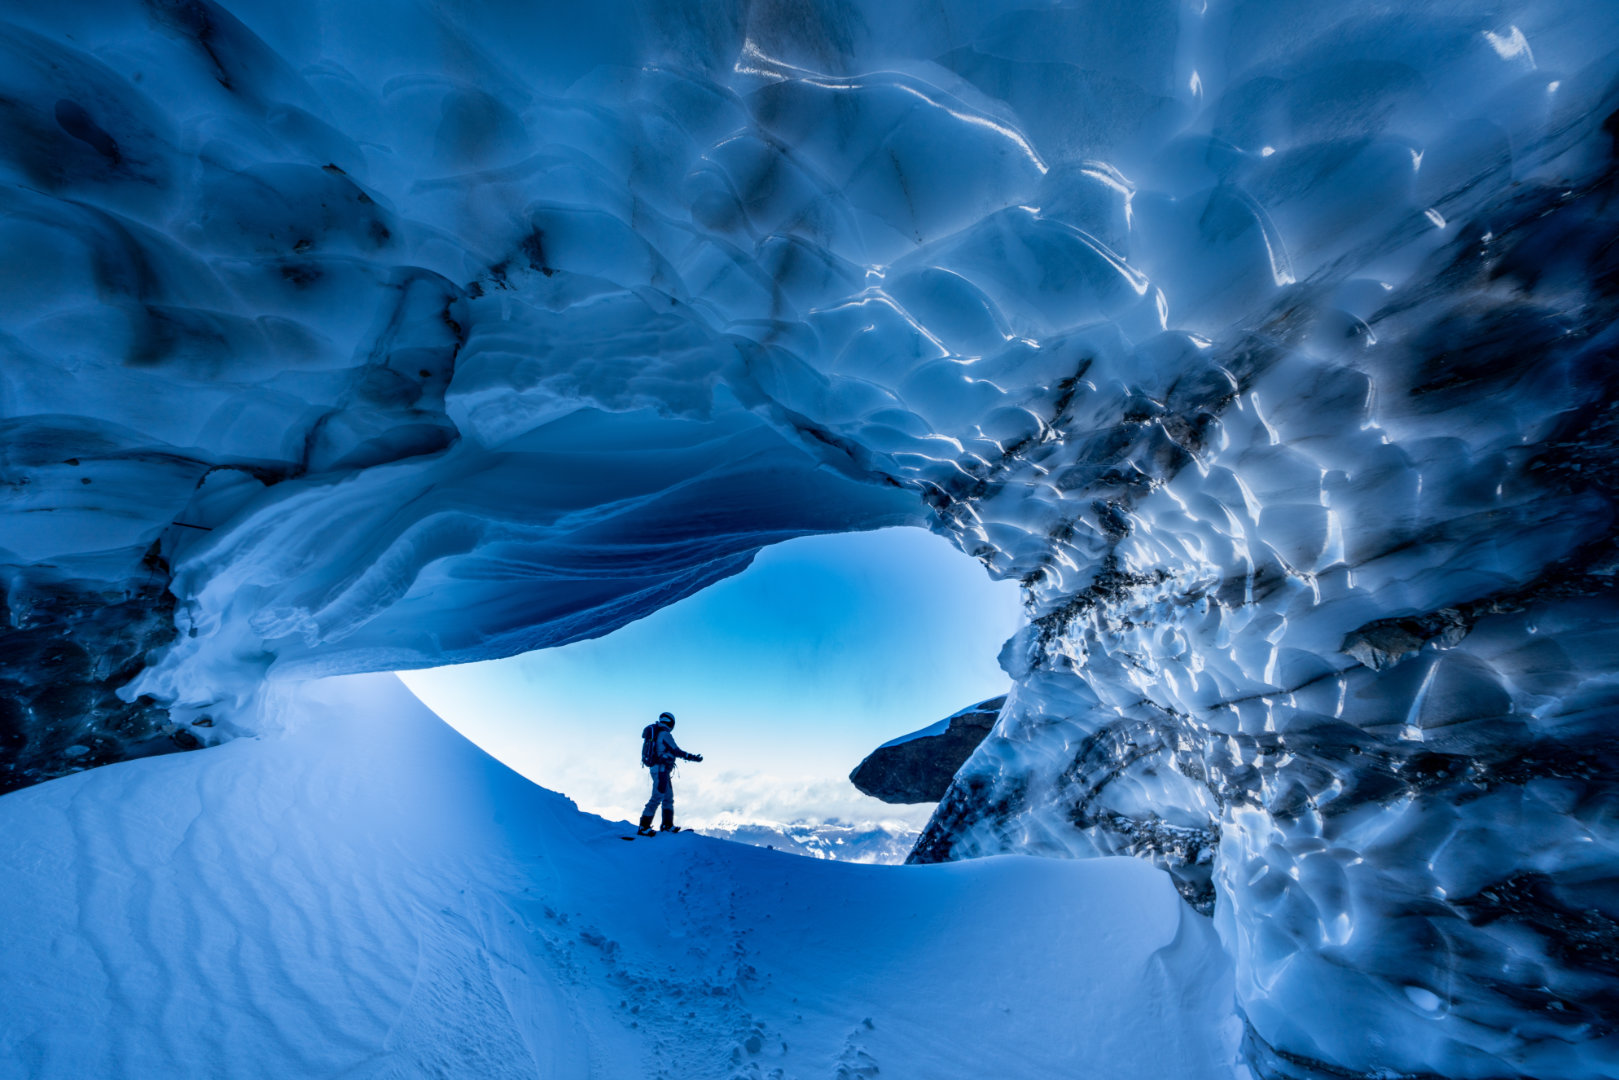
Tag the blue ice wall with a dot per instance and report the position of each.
(1268, 345)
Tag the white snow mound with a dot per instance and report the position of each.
(364, 894)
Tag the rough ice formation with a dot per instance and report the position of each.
(1270, 345)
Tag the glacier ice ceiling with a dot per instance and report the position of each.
(1270, 346)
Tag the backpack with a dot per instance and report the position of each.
(649, 746)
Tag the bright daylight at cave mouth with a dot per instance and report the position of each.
(1119, 495)
(785, 676)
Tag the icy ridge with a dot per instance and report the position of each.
(1270, 346)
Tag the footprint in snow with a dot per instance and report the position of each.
(854, 1063)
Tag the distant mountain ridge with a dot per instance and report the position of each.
(866, 842)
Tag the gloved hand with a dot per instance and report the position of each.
(697, 757)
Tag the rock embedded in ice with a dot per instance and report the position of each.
(918, 768)
(1270, 346)
(67, 652)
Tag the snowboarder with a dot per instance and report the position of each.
(658, 753)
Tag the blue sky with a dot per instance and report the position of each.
(783, 677)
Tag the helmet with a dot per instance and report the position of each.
(667, 718)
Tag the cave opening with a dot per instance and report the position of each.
(784, 676)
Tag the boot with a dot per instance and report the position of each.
(668, 822)
(646, 826)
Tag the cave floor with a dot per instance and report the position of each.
(361, 893)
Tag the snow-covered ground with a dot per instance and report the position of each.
(361, 893)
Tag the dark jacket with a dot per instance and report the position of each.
(664, 748)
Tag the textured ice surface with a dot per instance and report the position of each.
(1270, 345)
(366, 894)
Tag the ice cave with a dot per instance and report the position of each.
(1269, 346)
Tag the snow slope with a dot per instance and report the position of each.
(361, 893)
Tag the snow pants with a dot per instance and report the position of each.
(662, 792)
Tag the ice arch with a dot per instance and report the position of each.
(1270, 347)
(781, 675)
